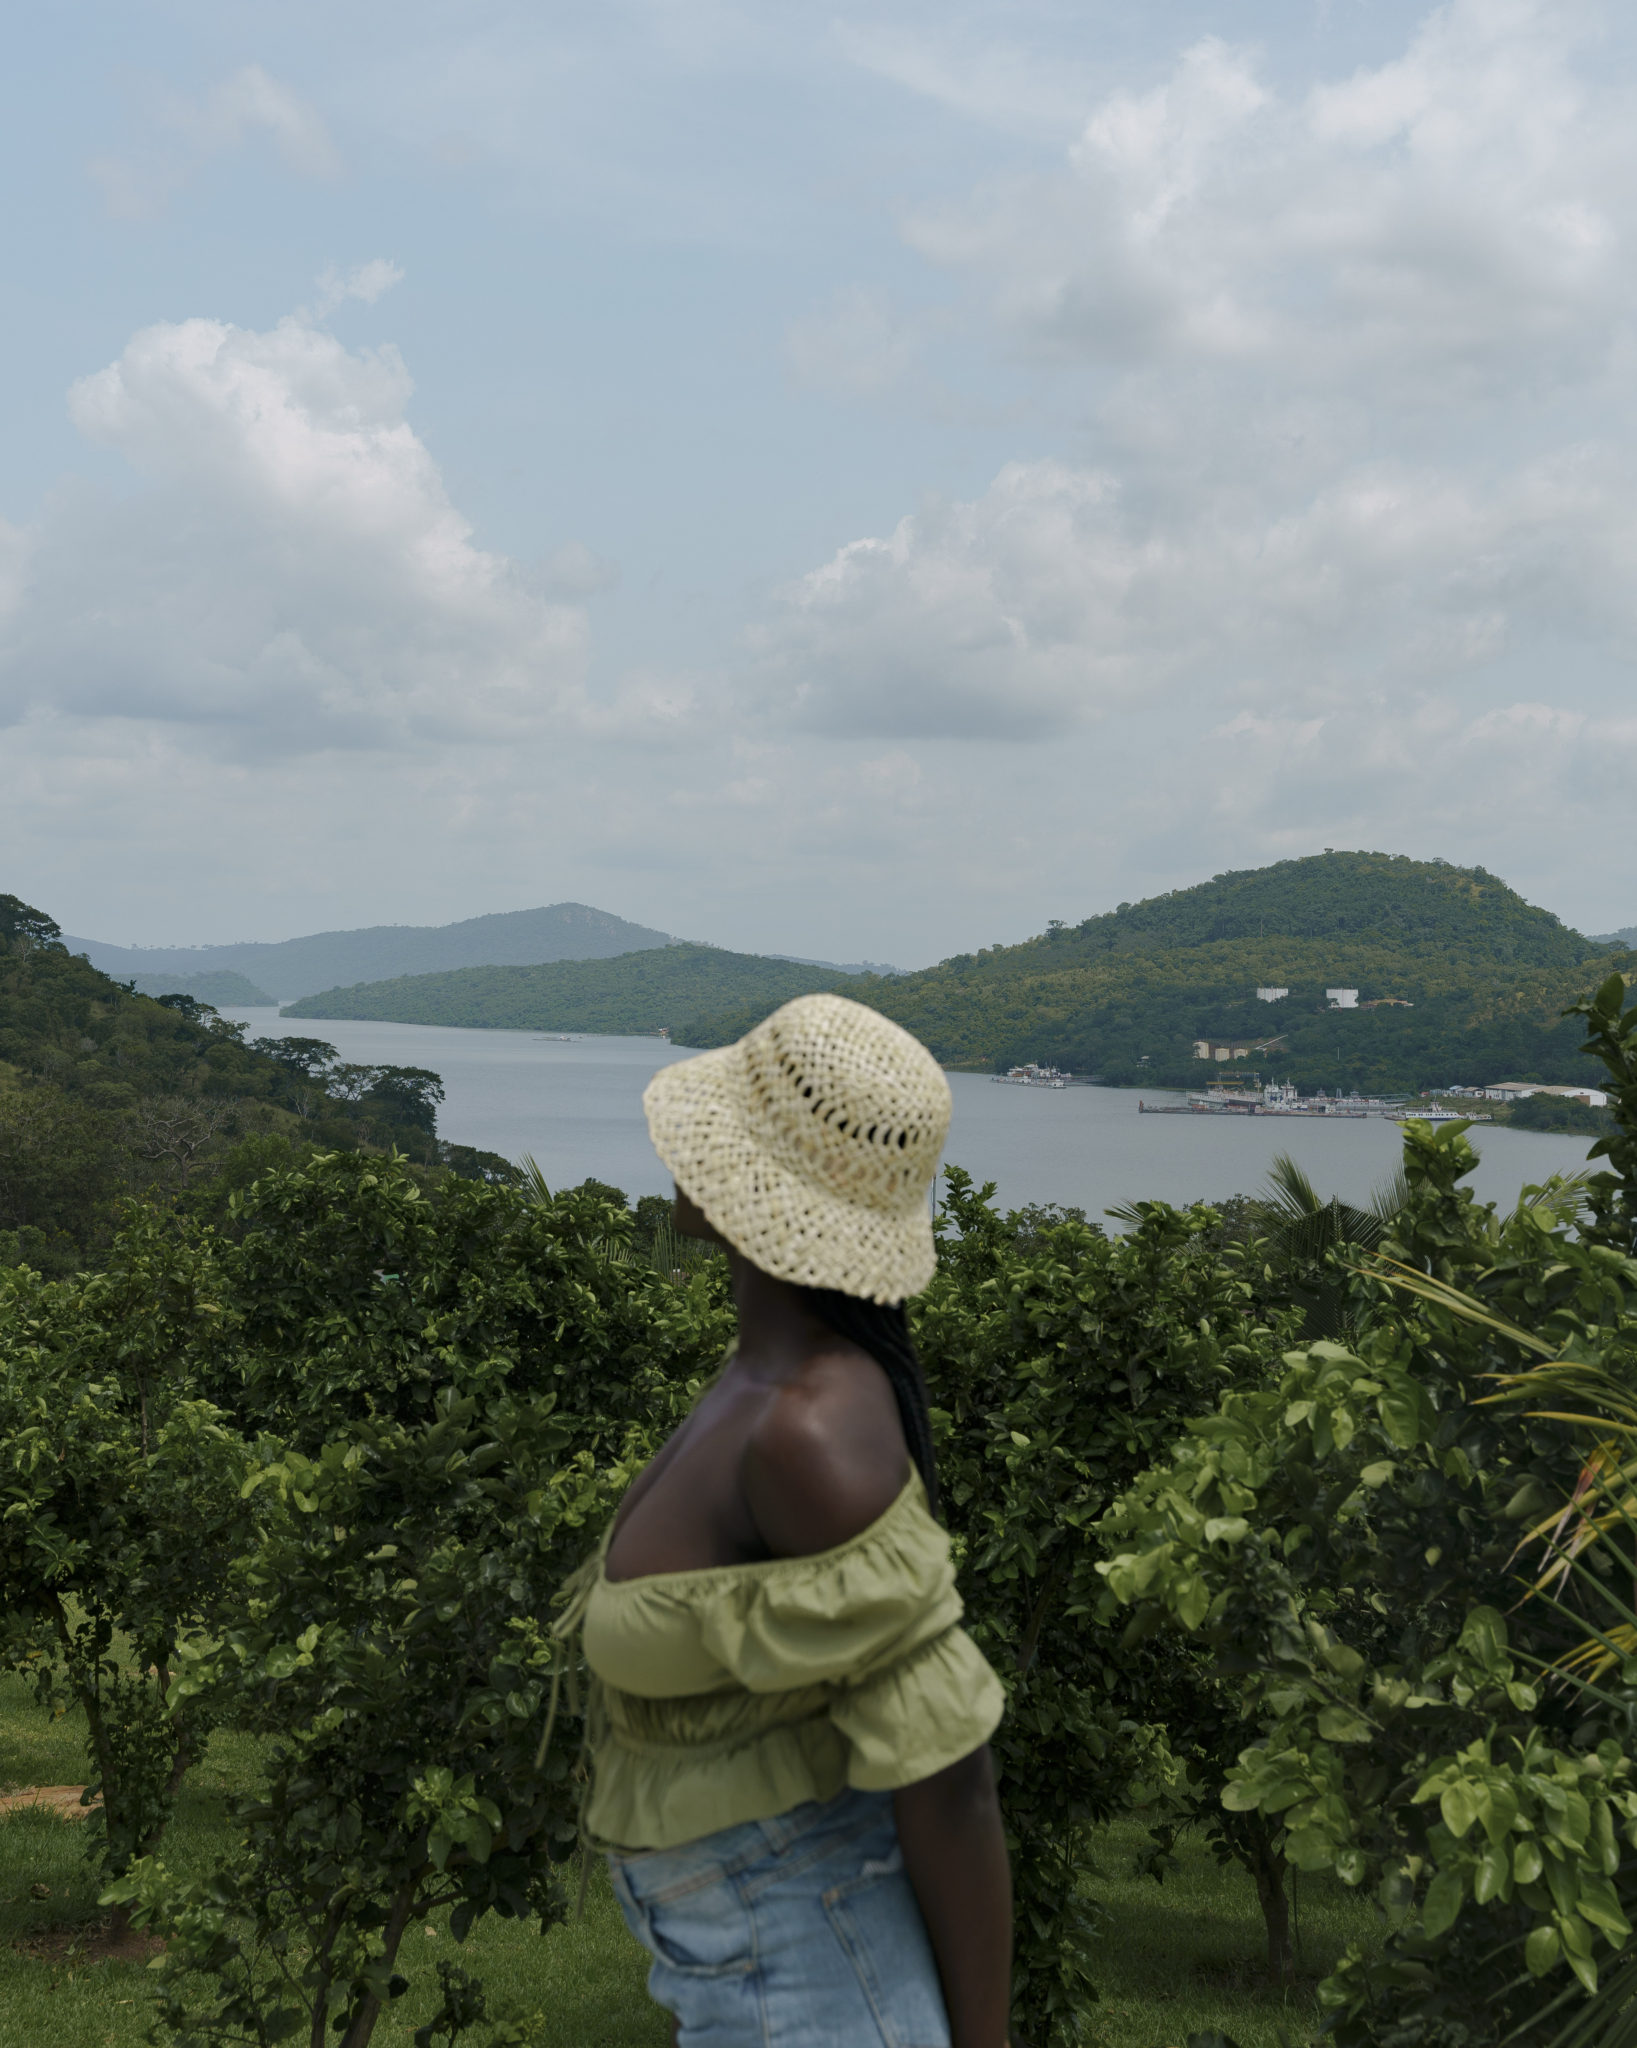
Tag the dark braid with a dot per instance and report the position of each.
(883, 1331)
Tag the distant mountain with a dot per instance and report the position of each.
(1626, 936)
(637, 993)
(218, 986)
(298, 967)
(1470, 978)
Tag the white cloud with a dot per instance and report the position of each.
(1352, 365)
(290, 574)
(1420, 230)
(1059, 597)
(365, 282)
(188, 133)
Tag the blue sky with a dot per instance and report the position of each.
(846, 483)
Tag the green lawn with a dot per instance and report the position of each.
(1175, 1959)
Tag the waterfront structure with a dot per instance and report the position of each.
(1280, 1098)
(1520, 1091)
(1221, 1049)
(1224, 1049)
(1342, 998)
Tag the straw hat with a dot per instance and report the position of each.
(811, 1145)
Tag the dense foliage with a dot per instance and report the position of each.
(105, 1094)
(319, 1475)
(296, 967)
(635, 993)
(1125, 995)
(1061, 1363)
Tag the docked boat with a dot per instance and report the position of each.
(1031, 1076)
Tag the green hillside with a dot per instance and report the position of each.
(635, 993)
(1124, 995)
(106, 1093)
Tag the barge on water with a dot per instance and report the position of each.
(1280, 1098)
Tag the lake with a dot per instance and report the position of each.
(578, 1109)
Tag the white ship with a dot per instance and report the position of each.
(1032, 1076)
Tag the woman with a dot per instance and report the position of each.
(788, 1739)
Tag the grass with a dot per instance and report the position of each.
(1174, 1959)
(581, 1987)
(1189, 1956)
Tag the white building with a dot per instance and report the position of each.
(1519, 1091)
(1342, 998)
(1271, 995)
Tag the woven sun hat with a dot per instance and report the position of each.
(811, 1145)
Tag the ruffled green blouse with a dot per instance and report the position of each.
(739, 1692)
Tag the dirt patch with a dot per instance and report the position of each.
(62, 1800)
(88, 1941)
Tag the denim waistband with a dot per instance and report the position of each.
(749, 1842)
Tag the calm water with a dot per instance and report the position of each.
(578, 1109)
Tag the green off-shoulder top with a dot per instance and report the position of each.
(736, 1693)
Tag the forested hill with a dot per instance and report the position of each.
(637, 993)
(1373, 898)
(1472, 979)
(106, 1093)
(296, 967)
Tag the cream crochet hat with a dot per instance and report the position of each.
(811, 1145)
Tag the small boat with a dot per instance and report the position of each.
(1032, 1076)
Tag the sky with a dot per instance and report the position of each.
(849, 481)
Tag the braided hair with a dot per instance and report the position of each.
(883, 1331)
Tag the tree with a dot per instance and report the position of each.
(187, 1006)
(449, 1387)
(310, 1058)
(1345, 1544)
(120, 1510)
(23, 926)
(173, 1132)
(390, 1635)
(1060, 1363)
(406, 1095)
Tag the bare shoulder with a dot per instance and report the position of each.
(827, 1457)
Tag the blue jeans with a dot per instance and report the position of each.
(799, 1932)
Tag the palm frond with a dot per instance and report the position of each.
(1290, 1192)
(534, 1181)
(1605, 2019)
(1442, 1295)
(1562, 1198)
(1391, 1197)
